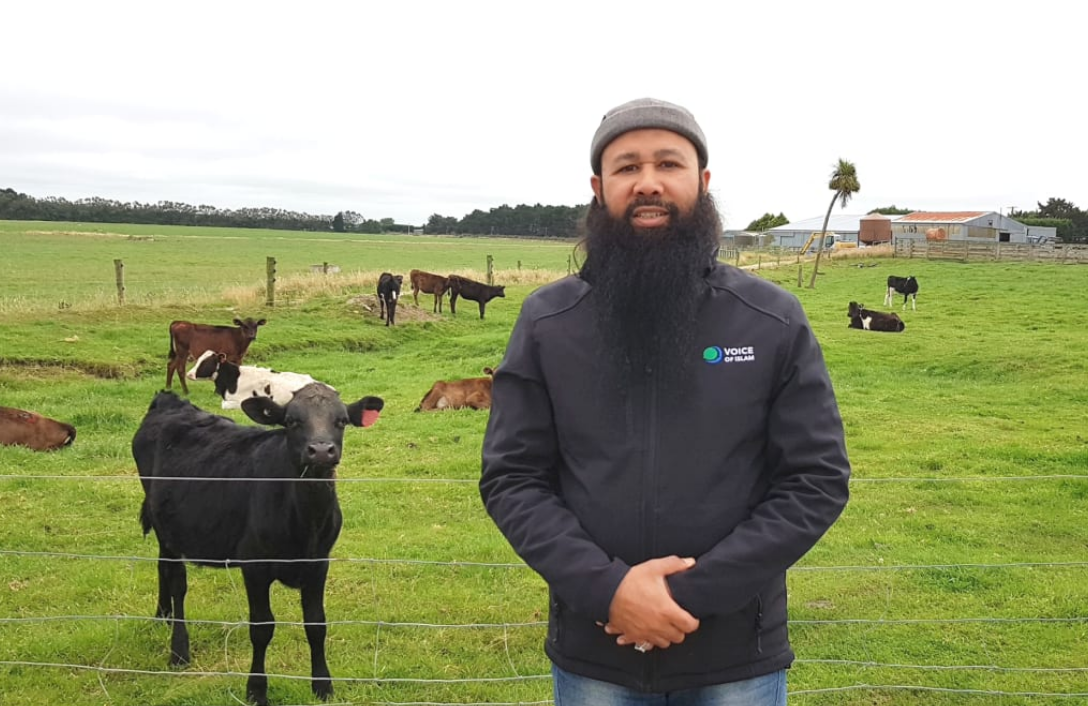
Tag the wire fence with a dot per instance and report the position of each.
(536, 627)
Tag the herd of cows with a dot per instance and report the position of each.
(273, 529)
(429, 283)
(871, 320)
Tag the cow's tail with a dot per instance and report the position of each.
(145, 517)
(173, 351)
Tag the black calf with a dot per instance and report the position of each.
(907, 286)
(198, 472)
(870, 320)
(388, 294)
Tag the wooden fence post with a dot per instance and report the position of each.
(800, 276)
(270, 287)
(490, 270)
(119, 275)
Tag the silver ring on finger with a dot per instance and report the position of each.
(643, 646)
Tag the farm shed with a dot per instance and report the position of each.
(976, 226)
(793, 235)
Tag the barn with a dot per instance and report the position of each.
(974, 226)
(847, 228)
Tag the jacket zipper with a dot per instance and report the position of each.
(649, 489)
(759, 624)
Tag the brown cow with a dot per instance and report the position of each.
(475, 291)
(19, 427)
(474, 393)
(190, 340)
(428, 283)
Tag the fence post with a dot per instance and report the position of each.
(270, 287)
(800, 277)
(119, 275)
(490, 270)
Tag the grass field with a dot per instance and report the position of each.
(958, 573)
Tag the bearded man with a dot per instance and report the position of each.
(664, 441)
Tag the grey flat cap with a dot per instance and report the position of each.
(646, 113)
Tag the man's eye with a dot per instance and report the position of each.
(629, 168)
(669, 165)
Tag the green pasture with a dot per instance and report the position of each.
(958, 573)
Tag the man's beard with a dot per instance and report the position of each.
(648, 284)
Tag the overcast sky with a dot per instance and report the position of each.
(403, 109)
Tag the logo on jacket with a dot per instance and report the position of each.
(712, 355)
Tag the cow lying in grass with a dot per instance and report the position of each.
(870, 320)
(474, 393)
(20, 427)
(205, 498)
(237, 383)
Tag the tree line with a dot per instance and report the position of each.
(533, 221)
(536, 221)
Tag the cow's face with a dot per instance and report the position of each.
(314, 420)
(652, 166)
(249, 327)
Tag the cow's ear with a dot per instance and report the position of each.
(222, 357)
(262, 322)
(366, 411)
(264, 411)
(237, 322)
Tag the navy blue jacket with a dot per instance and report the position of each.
(744, 472)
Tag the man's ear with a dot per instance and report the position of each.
(595, 183)
(706, 180)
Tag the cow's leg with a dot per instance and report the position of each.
(313, 614)
(261, 628)
(173, 585)
(415, 295)
(391, 312)
(914, 302)
(453, 302)
(177, 363)
(482, 305)
(888, 296)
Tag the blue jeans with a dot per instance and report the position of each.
(574, 690)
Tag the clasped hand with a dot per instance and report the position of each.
(643, 611)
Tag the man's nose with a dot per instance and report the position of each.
(649, 182)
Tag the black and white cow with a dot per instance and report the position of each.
(225, 495)
(907, 286)
(870, 320)
(388, 294)
(236, 383)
